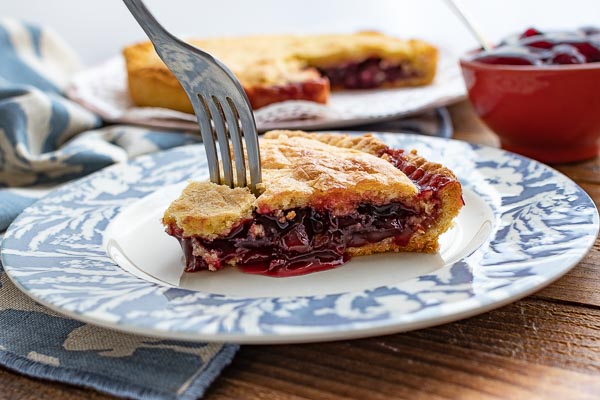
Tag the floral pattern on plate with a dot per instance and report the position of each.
(544, 224)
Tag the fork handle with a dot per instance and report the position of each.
(149, 24)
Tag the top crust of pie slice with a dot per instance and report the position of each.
(322, 171)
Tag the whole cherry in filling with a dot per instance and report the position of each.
(370, 73)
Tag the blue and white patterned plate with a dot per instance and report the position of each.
(523, 226)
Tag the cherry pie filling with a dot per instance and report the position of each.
(368, 74)
(304, 240)
(371, 73)
(311, 90)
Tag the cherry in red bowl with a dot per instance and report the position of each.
(540, 93)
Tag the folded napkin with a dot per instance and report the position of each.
(46, 140)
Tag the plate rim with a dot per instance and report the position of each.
(379, 329)
(371, 328)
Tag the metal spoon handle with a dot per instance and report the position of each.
(468, 22)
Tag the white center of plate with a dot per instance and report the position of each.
(137, 242)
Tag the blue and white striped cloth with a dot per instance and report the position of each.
(46, 140)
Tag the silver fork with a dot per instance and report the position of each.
(219, 101)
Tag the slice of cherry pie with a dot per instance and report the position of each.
(275, 68)
(324, 198)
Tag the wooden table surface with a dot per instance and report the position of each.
(544, 346)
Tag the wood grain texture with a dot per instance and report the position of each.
(530, 349)
(584, 172)
(546, 346)
(17, 387)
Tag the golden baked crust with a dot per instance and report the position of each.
(209, 210)
(299, 170)
(366, 143)
(450, 197)
(324, 171)
(282, 67)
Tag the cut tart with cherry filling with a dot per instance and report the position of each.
(275, 68)
(324, 198)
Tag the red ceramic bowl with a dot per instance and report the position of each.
(550, 113)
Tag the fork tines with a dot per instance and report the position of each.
(219, 101)
(222, 123)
